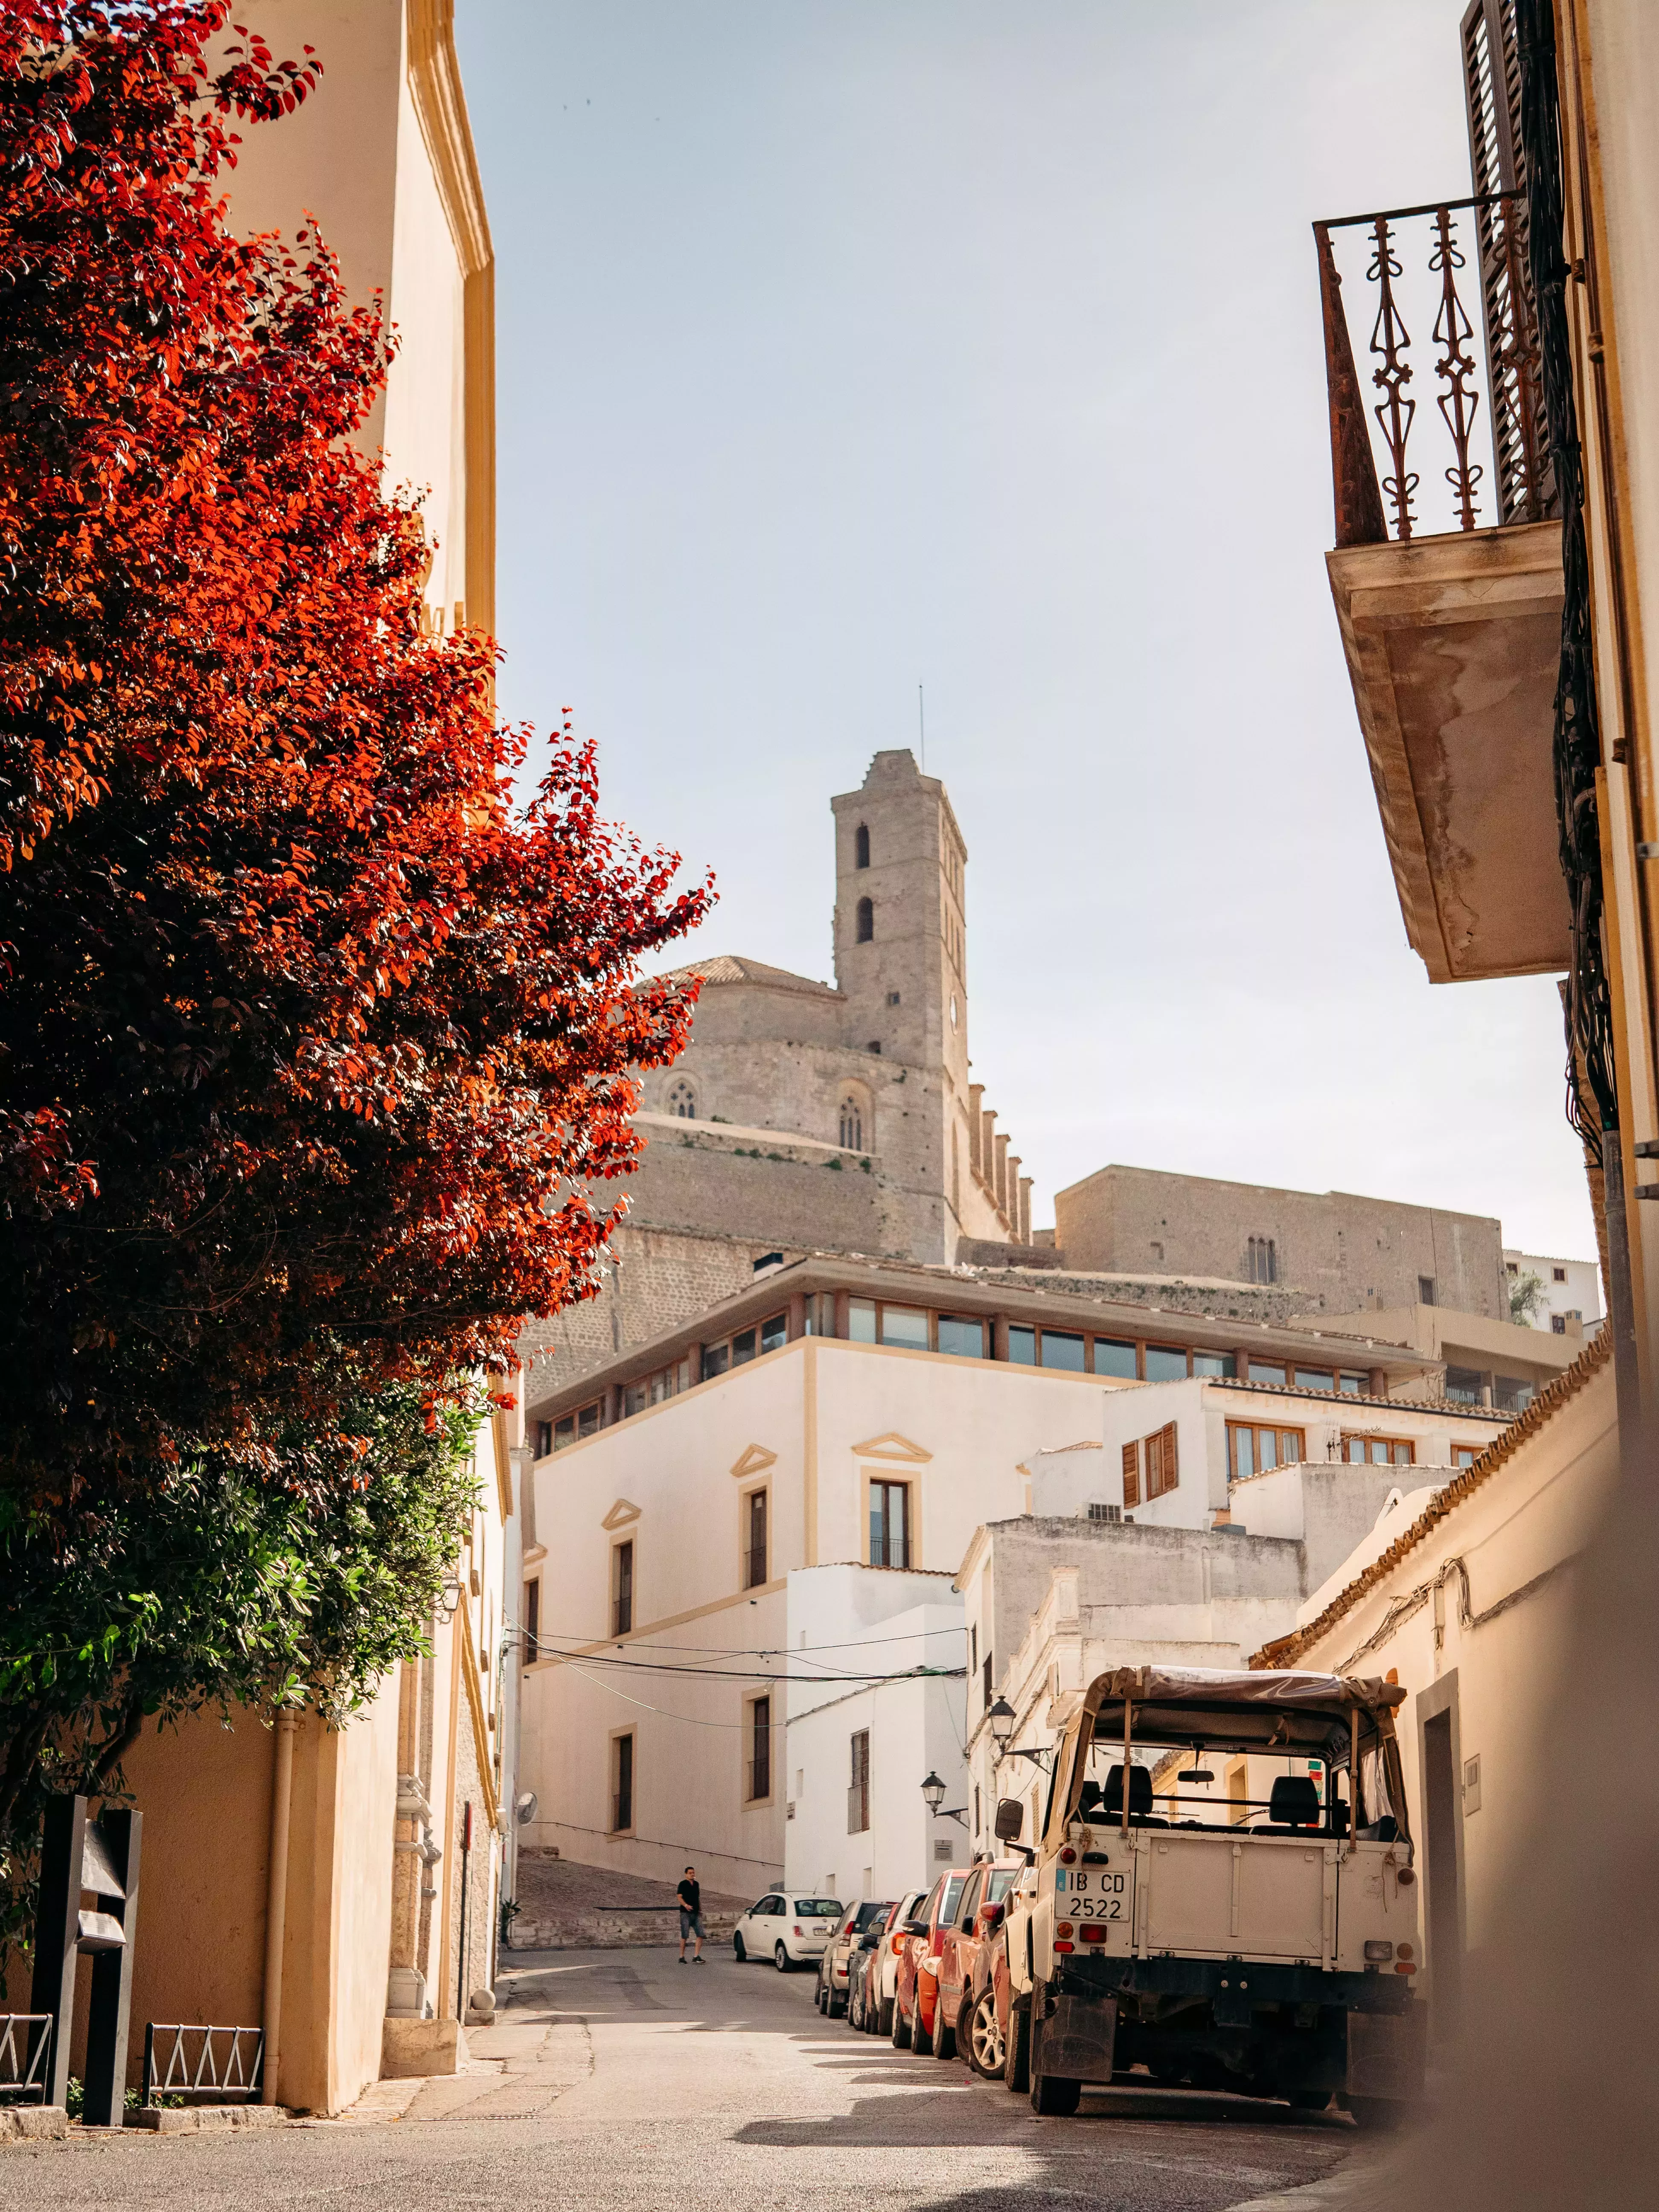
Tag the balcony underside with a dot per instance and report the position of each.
(1453, 645)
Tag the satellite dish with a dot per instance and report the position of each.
(524, 1809)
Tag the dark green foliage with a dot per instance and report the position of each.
(225, 1589)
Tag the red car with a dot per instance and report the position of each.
(916, 1998)
(968, 1947)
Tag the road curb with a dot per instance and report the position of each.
(1346, 2189)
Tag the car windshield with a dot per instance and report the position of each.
(870, 1914)
(819, 1908)
(951, 1898)
(1002, 1880)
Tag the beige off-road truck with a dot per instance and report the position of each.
(1266, 1945)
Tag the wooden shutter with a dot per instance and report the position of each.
(1491, 97)
(1167, 1453)
(1131, 1474)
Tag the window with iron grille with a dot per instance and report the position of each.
(1099, 1510)
(759, 1749)
(622, 1783)
(621, 1589)
(754, 1557)
(858, 1794)
(889, 1524)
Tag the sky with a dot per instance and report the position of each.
(845, 346)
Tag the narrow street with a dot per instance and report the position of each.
(617, 2079)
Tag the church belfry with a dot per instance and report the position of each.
(900, 927)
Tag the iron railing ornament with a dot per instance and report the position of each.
(1523, 479)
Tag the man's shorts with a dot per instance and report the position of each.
(690, 1924)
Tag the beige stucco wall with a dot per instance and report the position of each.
(354, 157)
(1535, 1512)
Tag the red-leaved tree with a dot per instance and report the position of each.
(311, 1050)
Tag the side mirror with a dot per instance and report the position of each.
(993, 1915)
(915, 1927)
(1010, 1818)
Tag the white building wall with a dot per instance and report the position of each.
(814, 1422)
(914, 1727)
(1578, 1294)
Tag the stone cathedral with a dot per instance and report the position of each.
(804, 1116)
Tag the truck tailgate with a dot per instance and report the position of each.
(1219, 1896)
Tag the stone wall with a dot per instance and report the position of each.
(1338, 1251)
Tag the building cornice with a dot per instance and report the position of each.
(434, 80)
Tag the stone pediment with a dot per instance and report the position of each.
(892, 1446)
(620, 1514)
(753, 1461)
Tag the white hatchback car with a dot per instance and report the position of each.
(789, 1931)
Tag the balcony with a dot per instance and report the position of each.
(1448, 587)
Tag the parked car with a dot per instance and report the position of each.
(832, 1963)
(1012, 2009)
(1316, 1903)
(790, 1930)
(881, 1977)
(915, 1992)
(865, 1957)
(966, 1946)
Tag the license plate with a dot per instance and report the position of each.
(823, 1927)
(1096, 1897)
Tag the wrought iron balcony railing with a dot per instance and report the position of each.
(1414, 262)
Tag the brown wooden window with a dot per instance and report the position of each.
(571, 1428)
(1163, 1465)
(1465, 1455)
(1252, 1449)
(1131, 1475)
(533, 1621)
(1378, 1451)
(621, 1589)
(759, 1749)
(889, 1524)
(622, 1783)
(858, 1790)
(754, 1549)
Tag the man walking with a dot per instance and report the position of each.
(690, 1897)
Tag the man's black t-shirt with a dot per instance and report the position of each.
(690, 1895)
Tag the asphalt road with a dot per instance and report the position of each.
(618, 2080)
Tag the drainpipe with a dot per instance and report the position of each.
(282, 1797)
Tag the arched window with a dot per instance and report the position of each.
(857, 1120)
(866, 922)
(861, 846)
(683, 1099)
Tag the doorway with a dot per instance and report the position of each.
(1443, 1849)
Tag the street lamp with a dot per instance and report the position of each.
(1002, 1718)
(933, 1792)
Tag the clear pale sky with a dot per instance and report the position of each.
(844, 344)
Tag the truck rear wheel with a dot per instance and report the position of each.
(1051, 2094)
